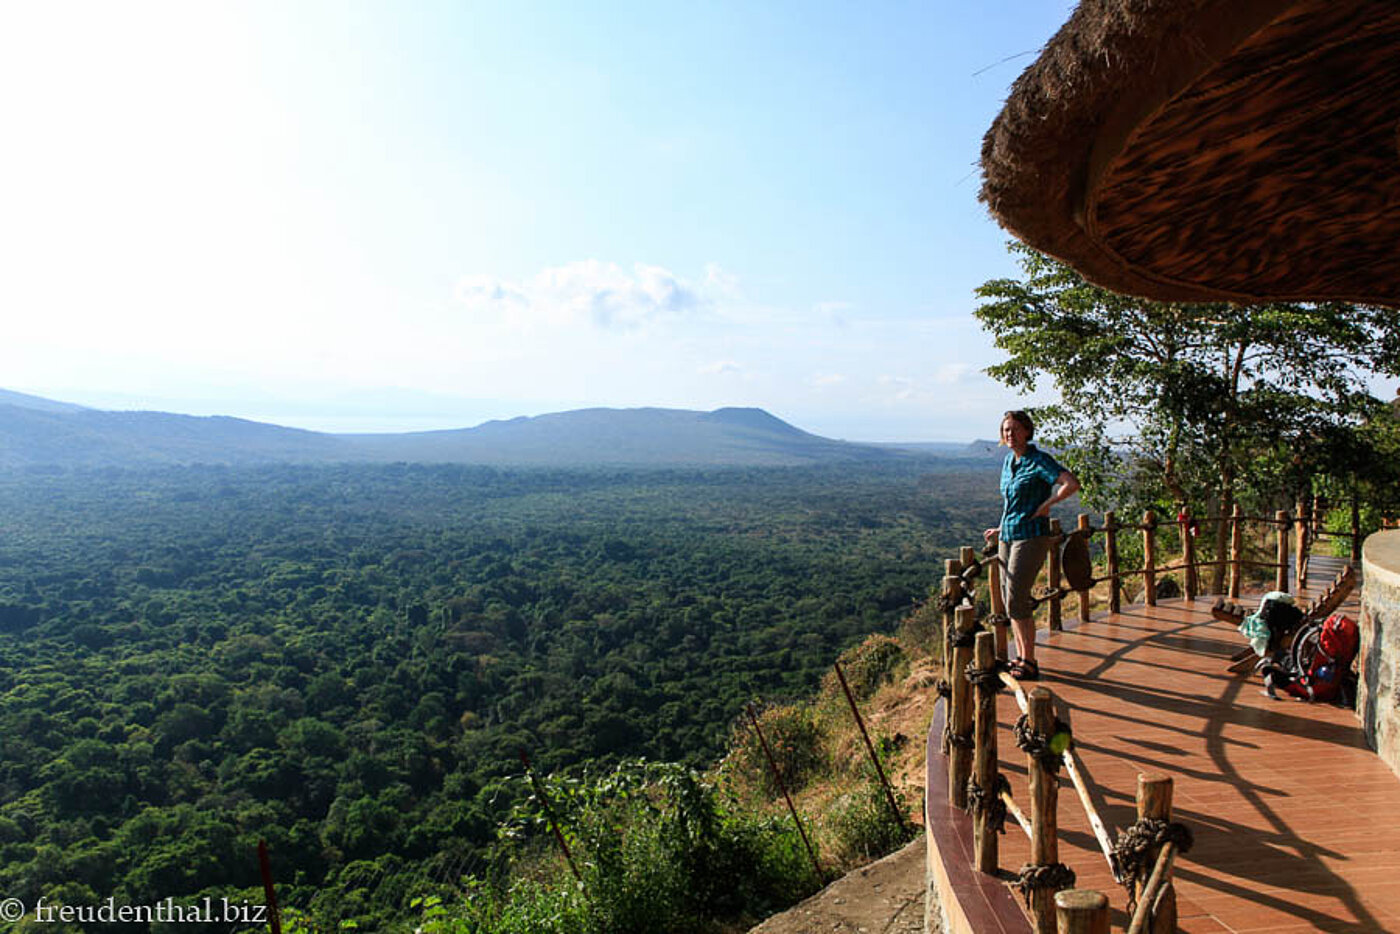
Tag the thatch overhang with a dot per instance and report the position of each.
(1209, 150)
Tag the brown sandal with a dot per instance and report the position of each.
(1025, 669)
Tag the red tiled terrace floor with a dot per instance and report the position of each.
(1296, 821)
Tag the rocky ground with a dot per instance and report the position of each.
(885, 897)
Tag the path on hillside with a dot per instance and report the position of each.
(884, 897)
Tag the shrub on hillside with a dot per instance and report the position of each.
(862, 824)
(795, 739)
(921, 632)
(868, 667)
(657, 851)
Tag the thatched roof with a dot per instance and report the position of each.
(1193, 150)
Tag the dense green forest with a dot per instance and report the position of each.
(347, 661)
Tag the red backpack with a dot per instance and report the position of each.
(1323, 656)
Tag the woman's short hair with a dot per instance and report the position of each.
(1020, 417)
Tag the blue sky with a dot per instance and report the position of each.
(376, 216)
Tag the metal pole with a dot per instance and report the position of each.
(816, 866)
(269, 893)
(860, 724)
(549, 813)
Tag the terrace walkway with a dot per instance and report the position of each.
(1296, 821)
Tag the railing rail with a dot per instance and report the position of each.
(1292, 537)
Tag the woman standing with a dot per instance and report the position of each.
(1031, 482)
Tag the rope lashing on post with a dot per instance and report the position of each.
(943, 688)
(972, 571)
(1134, 844)
(1041, 747)
(964, 640)
(986, 679)
(977, 800)
(1053, 876)
(961, 740)
(947, 604)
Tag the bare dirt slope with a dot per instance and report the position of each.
(885, 897)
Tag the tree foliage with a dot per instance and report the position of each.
(1191, 405)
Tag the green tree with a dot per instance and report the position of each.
(1185, 404)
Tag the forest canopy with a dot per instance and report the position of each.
(347, 661)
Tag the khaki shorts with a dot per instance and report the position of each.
(1021, 562)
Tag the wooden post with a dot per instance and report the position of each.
(1115, 587)
(1188, 557)
(1052, 575)
(1044, 792)
(1081, 911)
(996, 598)
(1281, 572)
(1236, 550)
(960, 713)
(984, 769)
(1003, 627)
(1300, 545)
(998, 603)
(1355, 522)
(952, 593)
(1149, 558)
(967, 557)
(1154, 802)
(1083, 528)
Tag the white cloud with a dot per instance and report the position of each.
(833, 312)
(827, 379)
(719, 281)
(719, 366)
(948, 374)
(603, 295)
(898, 387)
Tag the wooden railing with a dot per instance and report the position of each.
(975, 672)
(1291, 537)
(975, 655)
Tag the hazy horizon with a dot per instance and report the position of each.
(418, 216)
(345, 421)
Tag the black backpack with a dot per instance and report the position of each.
(1075, 563)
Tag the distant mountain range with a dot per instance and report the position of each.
(37, 432)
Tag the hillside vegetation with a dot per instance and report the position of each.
(348, 661)
(658, 847)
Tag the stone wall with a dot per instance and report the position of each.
(1378, 696)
